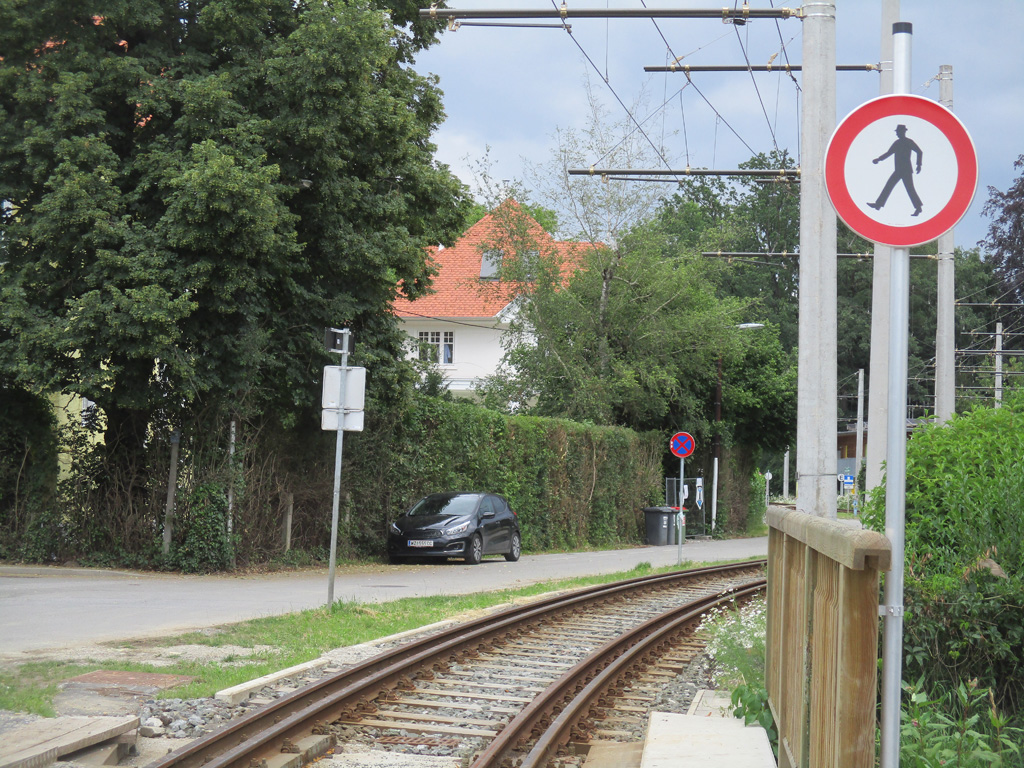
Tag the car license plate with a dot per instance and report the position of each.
(420, 543)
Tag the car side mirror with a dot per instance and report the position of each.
(489, 514)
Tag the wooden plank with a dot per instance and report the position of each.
(825, 683)
(855, 548)
(792, 646)
(821, 656)
(857, 669)
(42, 742)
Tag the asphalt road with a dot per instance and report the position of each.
(43, 608)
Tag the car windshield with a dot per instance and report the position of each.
(445, 504)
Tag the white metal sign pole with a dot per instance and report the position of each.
(896, 454)
(680, 517)
(337, 468)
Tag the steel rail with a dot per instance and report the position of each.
(259, 735)
(571, 697)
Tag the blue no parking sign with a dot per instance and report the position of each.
(681, 444)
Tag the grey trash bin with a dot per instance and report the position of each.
(660, 525)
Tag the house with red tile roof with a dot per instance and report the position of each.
(460, 324)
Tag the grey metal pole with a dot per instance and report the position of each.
(231, 489)
(785, 474)
(860, 437)
(714, 495)
(896, 455)
(681, 516)
(878, 365)
(999, 366)
(816, 375)
(336, 502)
(945, 326)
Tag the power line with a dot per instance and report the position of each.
(757, 90)
(786, 68)
(563, 12)
(763, 173)
(607, 83)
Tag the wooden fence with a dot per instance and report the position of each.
(822, 644)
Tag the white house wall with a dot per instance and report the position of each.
(477, 348)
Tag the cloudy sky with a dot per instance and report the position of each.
(513, 89)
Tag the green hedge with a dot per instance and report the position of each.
(570, 484)
(965, 551)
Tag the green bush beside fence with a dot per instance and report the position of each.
(965, 553)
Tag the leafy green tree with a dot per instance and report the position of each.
(1006, 233)
(748, 216)
(193, 189)
(759, 391)
(630, 336)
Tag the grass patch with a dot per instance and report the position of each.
(295, 638)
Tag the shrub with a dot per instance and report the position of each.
(28, 474)
(203, 545)
(962, 727)
(964, 586)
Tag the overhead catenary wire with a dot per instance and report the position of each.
(607, 82)
(563, 12)
(796, 255)
(768, 68)
(757, 90)
(759, 172)
(455, 24)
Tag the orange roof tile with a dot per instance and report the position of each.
(458, 291)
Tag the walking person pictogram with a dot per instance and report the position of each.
(901, 150)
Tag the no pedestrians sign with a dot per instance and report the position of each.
(901, 170)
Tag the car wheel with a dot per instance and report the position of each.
(397, 559)
(514, 551)
(474, 551)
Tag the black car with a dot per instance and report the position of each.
(466, 525)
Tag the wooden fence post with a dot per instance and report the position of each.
(822, 642)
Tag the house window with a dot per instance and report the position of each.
(437, 347)
(490, 264)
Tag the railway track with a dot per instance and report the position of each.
(516, 687)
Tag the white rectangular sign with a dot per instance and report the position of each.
(331, 421)
(355, 388)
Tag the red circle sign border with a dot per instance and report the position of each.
(887, 106)
(693, 444)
